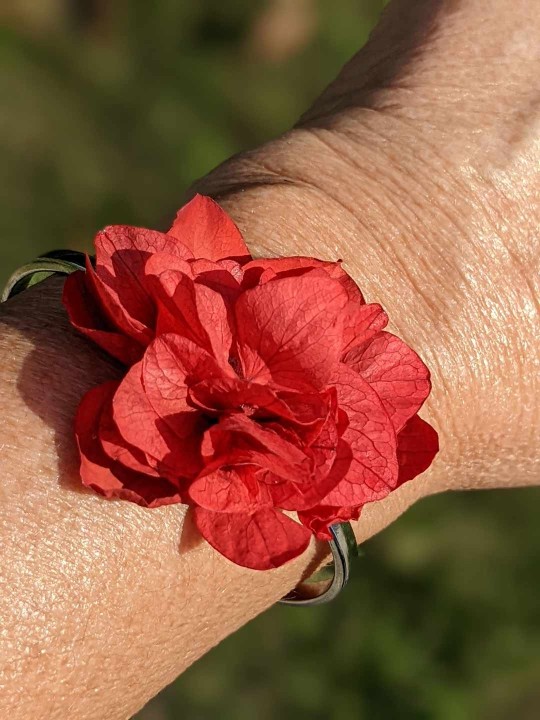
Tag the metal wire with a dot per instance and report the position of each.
(343, 547)
(57, 261)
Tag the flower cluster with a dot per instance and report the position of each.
(250, 387)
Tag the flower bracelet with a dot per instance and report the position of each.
(264, 394)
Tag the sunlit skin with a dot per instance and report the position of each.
(419, 168)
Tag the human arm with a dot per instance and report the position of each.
(418, 169)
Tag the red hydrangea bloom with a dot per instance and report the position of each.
(251, 387)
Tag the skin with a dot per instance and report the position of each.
(419, 168)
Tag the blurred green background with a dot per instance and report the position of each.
(111, 109)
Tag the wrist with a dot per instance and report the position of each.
(429, 252)
(293, 216)
(115, 581)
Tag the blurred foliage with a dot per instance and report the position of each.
(111, 109)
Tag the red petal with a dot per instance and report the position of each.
(86, 315)
(115, 308)
(294, 267)
(121, 255)
(237, 439)
(223, 276)
(318, 519)
(310, 411)
(250, 365)
(361, 323)
(172, 441)
(396, 373)
(232, 490)
(370, 435)
(418, 443)
(140, 243)
(166, 275)
(213, 316)
(192, 310)
(104, 475)
(118, 449)
(208, 231)
(295, 326)
(161, 264)
(171, 363)
(303, 495)
(263, 540)
(330, 458)
(232, 266)
(230, 393)
(95, 465)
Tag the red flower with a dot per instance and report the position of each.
(253, 387)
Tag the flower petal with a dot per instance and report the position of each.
(263, 540)
(121, 255)
(230, 490)
(194, 311)
(299, 496)
(119, 314)
(417, 445)
(373, 471)
(87, 316)
(361, 323)
(161, 264)
(223, 276)
(170, 364)
(318, 519)
(208, 231)
(256, 272)
(310, 411)
(236, 439)
(140, 243)
(395, 372)
(95, 465)
(116, 447)
(227, 394)
(105, 476)
(171, 443)
(295, 326)
(330, 457)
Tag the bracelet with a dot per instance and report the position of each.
(264, 394)
(330, 580)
